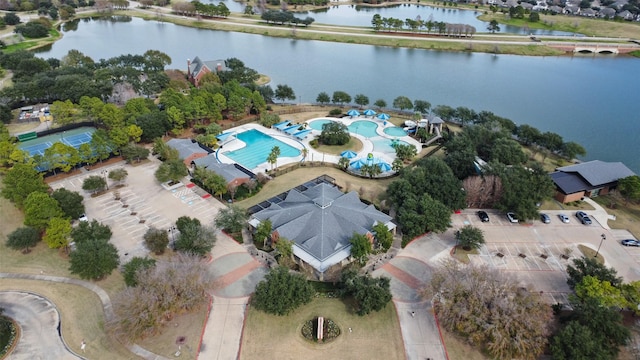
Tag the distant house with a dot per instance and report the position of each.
(197, 68)
(588, 179)
(607, 13)
(234, 174)
(188, 150)
(626, 14)
(320, 220)
(588, 12)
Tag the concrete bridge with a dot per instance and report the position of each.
(596, 49)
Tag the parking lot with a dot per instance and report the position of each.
(537, 254)
(142, 203)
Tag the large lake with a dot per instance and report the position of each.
(592, 100)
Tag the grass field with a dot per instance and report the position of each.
(372, 190)
(375, 336)
(353, 145)
(627, 214)
(81, 317)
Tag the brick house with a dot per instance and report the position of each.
(588, 179)
(197, 68)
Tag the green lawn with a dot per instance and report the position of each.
(375, 336)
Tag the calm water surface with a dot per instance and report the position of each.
(590, 100)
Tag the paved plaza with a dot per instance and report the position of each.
(531, 253)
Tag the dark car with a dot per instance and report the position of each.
(630, 242)
(483, 216)
(583, 217)
(545, 218)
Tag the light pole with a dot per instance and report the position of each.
(603, 237)
(106, 180)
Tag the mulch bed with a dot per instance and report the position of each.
(74, 172)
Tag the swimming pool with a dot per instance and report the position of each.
(364, 128)
(317, 124)
(257, 149)
(384, 145)
(395, 131)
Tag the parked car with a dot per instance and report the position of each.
(630, 242)
(583, 217)
(512, 217)
(83, 217)
(564, 218)
(483, 216)
(545, 218)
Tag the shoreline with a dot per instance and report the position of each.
(520, 45)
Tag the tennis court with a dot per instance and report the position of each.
(75, 138)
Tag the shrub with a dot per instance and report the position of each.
(335, 112)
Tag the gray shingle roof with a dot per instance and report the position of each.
(597, 172)
(197, 64)
(321, 220)
(228, 171)
(185, 147)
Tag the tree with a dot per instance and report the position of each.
(90, 230)
(131, 269)
(131, 152)
(370, 294)
(380, 103)
(284, 247)
(156, 240)
(119, 174)
(490, 310)
(94, 183)
(528, 135)
(421, 106)
(70, 202)
(384, 237)
(344, 162)
(20, 181)
(571, 149)
(360, 247)
(361, 100)
(508, 152)
(231, 219)
(263, 232)
(11, 19)
(195, 239)
(284, 92)
(602, 291)
(272, 158)
(588, 266)
(493, 26)
(334, 133)
(39, 208)
(281, 292)
(469, 237)
(402, 102)
(323, 98)
(57, 233)
(629, 187)
(175, 286)
(23, 238)
(340, 97)
(522, 188)
(171, 170)
(603, 326)
(94, 259)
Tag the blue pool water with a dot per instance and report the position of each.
(317, 124)
(364, 128)
(395, 131)
(384, 145)
(258, 148)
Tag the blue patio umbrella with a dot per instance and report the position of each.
(353, 112)
(369, 112)
(384, 166)
(383, 116)
(348, 154)
(357, 164)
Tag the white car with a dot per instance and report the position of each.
(83, 217)
(564, 218)
(512, 217)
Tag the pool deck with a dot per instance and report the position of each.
(312, 154)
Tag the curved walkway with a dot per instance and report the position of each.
(39, 322)
(102, 295)
(410, 272)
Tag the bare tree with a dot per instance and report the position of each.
(482, 191)
(175, 286)
(491, 310)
